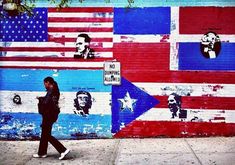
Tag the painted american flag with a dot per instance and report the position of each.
(51, 32)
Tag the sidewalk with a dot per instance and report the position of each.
(206, 151)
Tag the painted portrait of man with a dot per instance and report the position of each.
(174, 105)
(83, 49)
(210, 45)
(82, 103)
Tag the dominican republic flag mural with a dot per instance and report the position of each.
(216, 28)
(177, 68)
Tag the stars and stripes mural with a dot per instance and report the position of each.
(52, 33)
(177, 67)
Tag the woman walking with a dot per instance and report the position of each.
(49, 109)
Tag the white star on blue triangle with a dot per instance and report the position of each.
(127, 103)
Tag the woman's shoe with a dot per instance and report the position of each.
(63, 154)
(39, 156)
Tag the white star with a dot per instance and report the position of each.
(127, 102)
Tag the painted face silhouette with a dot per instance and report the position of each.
(81, 44)
(172, 103)
(210, 45)
(82, 100)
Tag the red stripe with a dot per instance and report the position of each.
(200, 20)
(53, 59)
(197, 102)
(66, 39)
(50, 49)
(218, 77)
(146, 129)
(52, 67)
(69, 29)
(82, 9)
(72, 19)
(140, 57)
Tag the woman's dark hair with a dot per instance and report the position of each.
(49, 79)
(56, 90)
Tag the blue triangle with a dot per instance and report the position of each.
(139, 103)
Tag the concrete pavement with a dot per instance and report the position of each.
(182, 151)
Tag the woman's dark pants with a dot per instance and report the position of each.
(47, 137)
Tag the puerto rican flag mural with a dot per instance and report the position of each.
(161, 53)
(177, 67)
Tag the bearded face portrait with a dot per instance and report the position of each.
(174, 105)
(82, 103)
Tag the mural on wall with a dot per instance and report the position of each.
(162, 57)
(170, 84)
(128, 103)
(217, 43)
(68, 35)
(87, 116)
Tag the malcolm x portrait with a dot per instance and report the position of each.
(83, 49)
(174, 105)
(82, 103)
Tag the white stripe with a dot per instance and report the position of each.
(186, 89)
(77, 24)
(97, 54)
(175, 20)
(197, 38)
(54, 54)
(173, 38)
(173, 64)
(54, 44)
(81, 15)
(100, 102)
(106, 44)
(75, 34)
(33, 54)
(52, 64)
(138, 38)
(208, 115)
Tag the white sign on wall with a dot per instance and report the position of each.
(112, 73)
